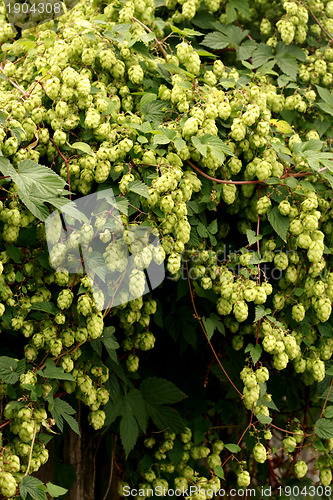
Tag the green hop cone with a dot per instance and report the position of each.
(65, 299)
(96, 419)
(259, 453)
(243, 479)
(8, 484)
(325, 477)
(289, 444)
(268, 435)
(300, 468)
(137, 283)
(263, 204)
(132, 363)
(84, 305)
(95, 325)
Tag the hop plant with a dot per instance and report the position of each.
(243, 479)
(325, 477)
(96, 419)
(300, 468)
(65, 299)
(95, 325)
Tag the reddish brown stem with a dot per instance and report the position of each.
(204, 330)
(319, 24)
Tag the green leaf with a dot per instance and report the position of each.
(269, 404)
(160, 391)
(185, 32)
(202, 230)
(166, 68)
(213, 228)
(36, 184)
(326, 95)
(252, 237)
(129, 430)
(154, 110)
(10, 369)
(282, 126)
(202, 148)
(242, 6)
(179, 143)
(160, 138)
(114, 409)
(219, 471)
(294, 50)
(325, 107)
(136, 401)
(204, 20)
(211, 324)
(19, 277)
(2, 119)
(216, 40)
(213, 240)
(139, 187)
(54, 372)
(165, 417)
(122, 205)
(14, 253)
(279, 223)
(233, 448)
(14, 405)
(328, 413)
(217, 147)
(176, 453)
(261, 312)
(32, 486)
(324, 428)
(60, 411)
(255, 352)
(95, 264)
(283, 80)
(82, 146)
(110, 342)
(286, 61)
(54, 490)
(262, 54)
(329, 371)
(246, 50)
(36, 207)
(48, 307)
(234, 33)
(318, 445)
(264, 419)
(17, 132)
(32, 175)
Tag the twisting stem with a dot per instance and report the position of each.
(296, 433)
(31, 448)
(221, 181)
(6, 423)
(271, 470)
(13, 83)
(250, 424)
(111, 468)
(248, 35)
(319, 24)
(327, 209)
(160, 46)
(204, 330)
(328, 393)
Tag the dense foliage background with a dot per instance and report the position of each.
(212, 123)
